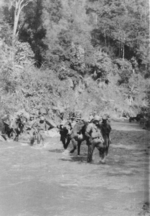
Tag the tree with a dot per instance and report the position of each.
(123, 26)
(67, 33)
(33, 30)
(18, 6)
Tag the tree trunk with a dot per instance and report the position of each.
(123, 51)
(16, 20)
(19, 5)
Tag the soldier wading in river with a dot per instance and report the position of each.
(94, 139)
(40, 125)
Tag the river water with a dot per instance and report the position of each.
(37, 181)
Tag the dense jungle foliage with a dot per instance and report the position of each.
(74, 54)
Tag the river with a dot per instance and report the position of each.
(36, 181)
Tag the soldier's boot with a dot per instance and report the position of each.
(102, 154)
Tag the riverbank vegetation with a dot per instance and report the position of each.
(67, 55)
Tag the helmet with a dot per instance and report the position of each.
(105, 116)
(42, 118)
(96, 118)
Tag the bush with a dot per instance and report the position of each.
(124, 70)
(101, 64)
(23, 53)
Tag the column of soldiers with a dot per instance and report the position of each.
(34, 124)
(95, 131)
(75, 130)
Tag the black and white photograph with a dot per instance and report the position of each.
(74, 108)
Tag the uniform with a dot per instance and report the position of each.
(94, 139)
(39, 126)
(106, 129)
(93, 133)
(65, 131)
(77, 136)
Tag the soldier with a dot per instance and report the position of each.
(35, 131)
(30, 129)
(40, 126)
(105, 127)
(94, 138)
(65, 130)
(5, 129)
(30, 123)
(76, 136)
(72, 123)
(18, 123)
